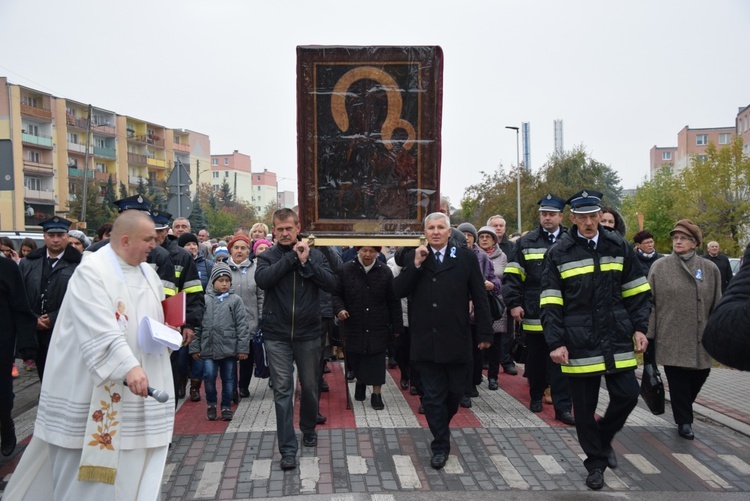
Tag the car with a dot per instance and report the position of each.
(18, 236)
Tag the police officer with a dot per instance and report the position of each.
(521, 288)
(595, 304)
(46, 272)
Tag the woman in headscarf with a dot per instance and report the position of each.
(686, 288)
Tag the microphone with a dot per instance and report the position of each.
(158, 395)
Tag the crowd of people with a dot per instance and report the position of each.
(580, 300)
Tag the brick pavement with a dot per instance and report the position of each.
(497, 445)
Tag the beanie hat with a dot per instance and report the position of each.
(220, 270)
(490, 230)
(260, 241)
(468, 228)
(221, 252)
(378, 248)
(239, 238)
(185, 238)
(78, 234)
(687, 227)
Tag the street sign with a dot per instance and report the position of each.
(185, 206)
(184, 177)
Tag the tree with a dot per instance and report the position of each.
(158, 198)
(96, 213)
(497, 194)
(141, 188)
(108, 201)
(716, 195)
(123, 191)
(225, 196)
(197, 217)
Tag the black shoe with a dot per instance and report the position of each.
(226, 414)
(321, 419)
(326, 369)
(310, 439)
(359, 392)
(474, 393)
(350, 376)
(236, 397)
(535, 406)
(612, 459)
(492, 385)
(288, 463)
(565, 417)
(438, 460)
(465, 402)
(404, 384)
(392, 364)
(211, 413)
(324, 388)
(686, 431)
(270, 383)
(510, 370)
(376, 400)
(421, 409)
(245, 393)
(8, 438)
(595, 480)
(413, 390)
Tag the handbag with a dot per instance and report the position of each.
(652, 386)
(518, 350)
(259, 356)
(497, 307)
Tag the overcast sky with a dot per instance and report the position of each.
(623, 76)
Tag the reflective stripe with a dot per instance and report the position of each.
(169, 292)
(612, 259)
(177, 273)
(577, 271)
(550, 296)
(534, 257)
(532, 325)
(610, 266)
(635, 287)
(596, 364)
(193, 289)
(532, 254)
(516, 269)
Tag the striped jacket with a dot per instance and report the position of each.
(522, 283)
(593, 301)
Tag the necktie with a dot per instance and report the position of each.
(592, 245)
(551, 237)
(439, 257)
(53, 261)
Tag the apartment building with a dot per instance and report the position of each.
(54, 142)
(742, 123)
(693, 142)
(660, 157)
(236, 169)
(265, 190)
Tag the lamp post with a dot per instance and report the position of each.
(518, 177)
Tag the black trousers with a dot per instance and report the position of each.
(474, 375)
(595, 436)
(403, 348)
(499, 353)
(246, 369)
(444, 386)
(43, 337)
(540, 370)
(684, 386)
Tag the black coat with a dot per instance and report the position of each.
(18, 326)
(31, 268)
(188, 281)
(439, 305)
(725, 268)
(727, 334)
(646, 261)
(374, 310)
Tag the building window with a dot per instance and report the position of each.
(702, 158)
(701, 140)
(216, 175)
(34, 156)
(725, 138)
(258, 188)
(29, 101)
(72, 138)
(32, 183)
(666, 155)
(214, 161)
(30, 129)
(99, 143)
(226, 161)
(226, 173)
(258, 178)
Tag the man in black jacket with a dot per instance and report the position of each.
(595, 304)
(46, 272)
(521, 289)
(291, 274)
(441, 280)
(721, 262)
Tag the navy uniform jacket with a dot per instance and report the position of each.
(187, 280)
(439, 305)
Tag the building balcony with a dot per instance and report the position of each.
(134, 180)
(182, 147)
(78, 123)
(38, 168)
(135, 159)
(105, 130)
(38, 195)
(158, 183)
(76, 172)
(154, 162)
(43, 141)
(33, 111)
(80, 148)
(104, 177)
(105, 152)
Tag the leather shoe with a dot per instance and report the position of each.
(465, 402)
(404, 384)
(413, 390)
(474, 393)
(8, 439)
(535, 406)
(492, 385)
(310, 439)
(686, 431)
(321, 419)
(565, 417)
(359, 392)
(376, 400)
(421, 409)
(595, 480)
(438, 460)
(510, 370)
(612, 459)
(288, 463)
(245, 392)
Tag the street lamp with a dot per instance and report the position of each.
(518, 178)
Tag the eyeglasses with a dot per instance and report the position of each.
(682, 238)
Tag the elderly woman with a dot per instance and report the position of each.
(79, 240)
(686, 288)
(364, 301)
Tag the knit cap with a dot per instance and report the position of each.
(221, 252)
(185, 238)
(468, 228)
(220, 270)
